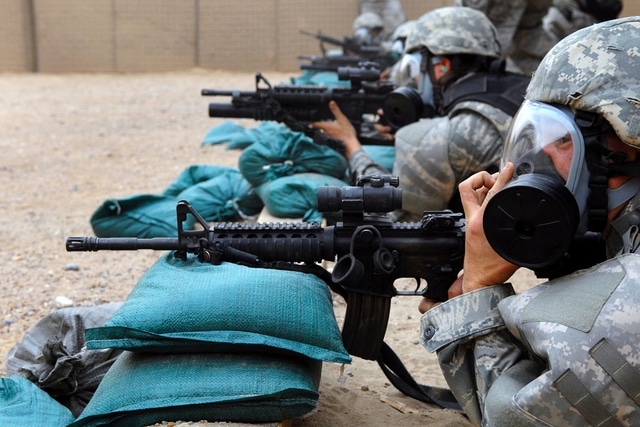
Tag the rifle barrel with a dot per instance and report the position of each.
(92, 244)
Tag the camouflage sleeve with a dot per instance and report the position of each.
(464, 318)
(433, 156)
(361, 164)
(504, 14)
(473, 345)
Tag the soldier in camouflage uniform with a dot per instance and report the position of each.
(368, 29)
(566, 352)
(566, 16)
(433, 156)
(520, 31)
(390, 11)
(401, 73)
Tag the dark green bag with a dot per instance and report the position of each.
(23, 404)
(289, 154)
(186, 306)
(296, 196)
(146, 388)
(218, 193)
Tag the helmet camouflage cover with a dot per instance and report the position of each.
(454, 30)
(596, 69)
(368, 20)
(403, 30)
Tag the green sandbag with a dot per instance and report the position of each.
(148, 388)
(142, 215)
(319, 78)
(238, 137)
(186, 306)
(24, 404)
(222, 198)
(384, 155)
(296, 196)
(291, 153)
(196, 174)
(218, 193)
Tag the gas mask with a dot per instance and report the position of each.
(532, 221)
(413, 99)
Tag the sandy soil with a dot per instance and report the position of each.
(71, 141)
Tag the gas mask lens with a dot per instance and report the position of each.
(545, 140)
(532, 221)
(407, 70)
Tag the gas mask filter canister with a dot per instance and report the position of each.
(413, 99)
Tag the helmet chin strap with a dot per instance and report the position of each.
(595, 147)
(624, 193)
(604, 163)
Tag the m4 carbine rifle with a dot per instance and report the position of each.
(332, 62)
(370, 250)
(299, 105)
(351, 46)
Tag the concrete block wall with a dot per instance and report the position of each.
(76, 36)
(16, 37)
(238, 35)
(164, 35)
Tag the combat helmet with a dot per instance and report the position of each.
(454, 30)
(403, 30)
(596, 71)
(368, 20)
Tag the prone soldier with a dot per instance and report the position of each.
(564, 352)
(463, 82)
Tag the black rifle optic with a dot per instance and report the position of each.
(371, 251)
(298, 105)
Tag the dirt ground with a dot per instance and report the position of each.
(71, 141)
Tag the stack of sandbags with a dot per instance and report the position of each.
(221, 343)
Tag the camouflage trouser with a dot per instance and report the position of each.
(521, 34)
(389, 10)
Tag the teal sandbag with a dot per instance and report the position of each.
(224, 132)
(194, 175)
(381, 154)
(222, 198)
(319, 78)
(141, 215)
(149, 388)
(296, 196)
(288, 154)
(195, 306)
(24, 404)
(238, 137)
(218, 193)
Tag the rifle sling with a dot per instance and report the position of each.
(396, 372)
